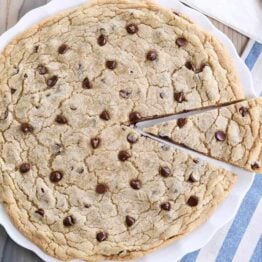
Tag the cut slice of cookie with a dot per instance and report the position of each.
(232, 133)
(133, 59)
(121, 198)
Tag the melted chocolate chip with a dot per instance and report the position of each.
(26, 128)
(189, 66)
(192, 201)
(130, 221)
(123, 155)
(132, 29)
(52, 81)
(102, 40)
(60, 119)
(56, 176)
(165, 206)
(255, 166)
(243, 111)
(192, 179)
(105, 115)
(180, 97)
(42, 70)
(132, 138)
(36, 48)
(95, 142)
(181, 41)
(165, 171)
(135, 184)
(111, 64)
(181, 122)
(101, 236)
(101, 188)
(40, 212)
(220, 136)
(134, 117)
(63, 49)
(152, 55)
(124, 94)
(69, 221)
(24, 168)
(86, 84)
(13, 90)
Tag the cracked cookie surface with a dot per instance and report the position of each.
(120, 200)
(231, 133)
(75, 181)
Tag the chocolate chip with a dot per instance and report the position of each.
(95, 142)
(36, 48)
(13, 90)
(102, 40)
(123, 155)
(105, 115)
(181, 122)
(192, 179)
(86, 84)
(220, 136)
(181, 41)
(189, 66)
(24, 168)
(25, 76)
(56, 176)
(69, 221)
(165, 206)
(40, 212)
(111, 64)
(132, 138)
(152, 55)
(101, 188)
(101, 236)
(26, 128)
(196, 161)
(134, 117)
(52, 81)
(243, 111)
(180, 97)
(42, 70)
(165, 171)
(132, 29)
(63, 49)
(124, 94)
(192, 201)
(255, 166)
(87, 205)
(130, 221)
(135, 184)
(60, 119)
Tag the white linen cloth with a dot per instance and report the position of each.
(245, 16)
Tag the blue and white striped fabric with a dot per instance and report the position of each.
(241, 239)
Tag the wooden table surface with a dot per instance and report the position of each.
(10, 12)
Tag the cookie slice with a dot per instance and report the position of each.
(133, 59)
(119, 197)
(231, 133)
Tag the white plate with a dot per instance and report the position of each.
(201, 236)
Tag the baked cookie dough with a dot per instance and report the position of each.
(75, 179)
(232, 133)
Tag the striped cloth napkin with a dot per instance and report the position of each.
(241, 239)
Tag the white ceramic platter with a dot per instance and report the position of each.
(201, 236)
